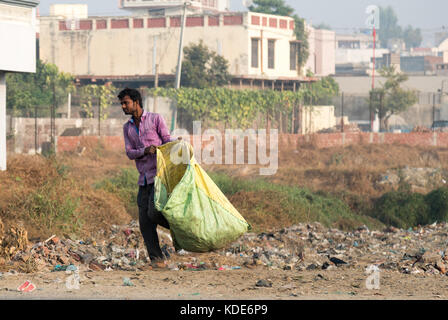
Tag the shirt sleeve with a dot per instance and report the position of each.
(130, 151)
(163, 131)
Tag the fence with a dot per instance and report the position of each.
(343, 113)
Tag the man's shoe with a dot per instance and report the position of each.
(159, 265)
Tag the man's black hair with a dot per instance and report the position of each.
(133, 94)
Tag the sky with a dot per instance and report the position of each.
(341, 15)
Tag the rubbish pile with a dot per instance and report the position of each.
(299, 247)
(423, 178)
(12, 241)
(312, 246)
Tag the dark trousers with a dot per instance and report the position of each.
(149, 218)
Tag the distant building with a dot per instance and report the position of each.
(439, 37)
(412, 65)
(388, 60)
(69, 11)
(18, 38)
(423, 52)
(443, 50)
(172, 7)
(322, 59)
(261, 49)
(354, 54)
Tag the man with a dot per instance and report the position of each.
(142, 133)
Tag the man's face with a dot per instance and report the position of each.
(128, 106)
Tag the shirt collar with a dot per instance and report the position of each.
(144, 114)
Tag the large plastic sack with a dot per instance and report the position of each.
(200, 216)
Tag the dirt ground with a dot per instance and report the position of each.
(348, 284)
(352, 168)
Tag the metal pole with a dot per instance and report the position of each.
(381, 111)
(69, 105)
(373, 76)
(35, 129)
(342, 111)
(433, 109)
(2, 121)
(156, 85)
(179, 63)
(370, 109)
(53, 116)
(99, 116)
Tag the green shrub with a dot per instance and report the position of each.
(124, 184)
(299, 204)
(402, 209)
(437, 201)
(55, 211)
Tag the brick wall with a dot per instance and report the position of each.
(294, 141)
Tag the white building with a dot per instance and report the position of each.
(172, 7)
(18, 36)
(322, 52)
(261, 48)
(356, 49)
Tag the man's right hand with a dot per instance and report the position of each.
(150, 150)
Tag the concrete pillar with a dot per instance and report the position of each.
(2, 121)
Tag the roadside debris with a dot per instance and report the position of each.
(27, 286)
(297, 248)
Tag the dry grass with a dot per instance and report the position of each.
(349, 172)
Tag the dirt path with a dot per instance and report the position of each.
(340, 284)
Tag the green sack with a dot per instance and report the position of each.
(200, 216)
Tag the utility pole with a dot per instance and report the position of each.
(53, 118)
(433, 110)
(342, 112)
(2, 121)
(156, 85)
(35, 128)
(179, 61)
(99, 116)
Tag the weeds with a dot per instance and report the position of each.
(404, 209)
(49, 208)
(298, 204)
(124, 185)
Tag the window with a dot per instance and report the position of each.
(271, 54)
(255, 45)
(293, 55)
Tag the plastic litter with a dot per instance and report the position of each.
(27, 286)
(127, 282)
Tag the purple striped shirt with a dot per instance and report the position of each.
(152, 131)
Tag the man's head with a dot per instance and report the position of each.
(130, 100)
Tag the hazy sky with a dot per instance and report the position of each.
(429, 15)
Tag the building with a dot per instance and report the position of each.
(322, 59)
(17, 21)
(261, 49)
(354, 53)
(420, 65)
(173, 7)
(389, 60)
(443, 50)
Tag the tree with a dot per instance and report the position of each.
(390, 98)
(203, 68)
(279, 7)
(302, 35)
(389, 28)
(92, 95)
(412, 37)
(25, 91)
(322, 26)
